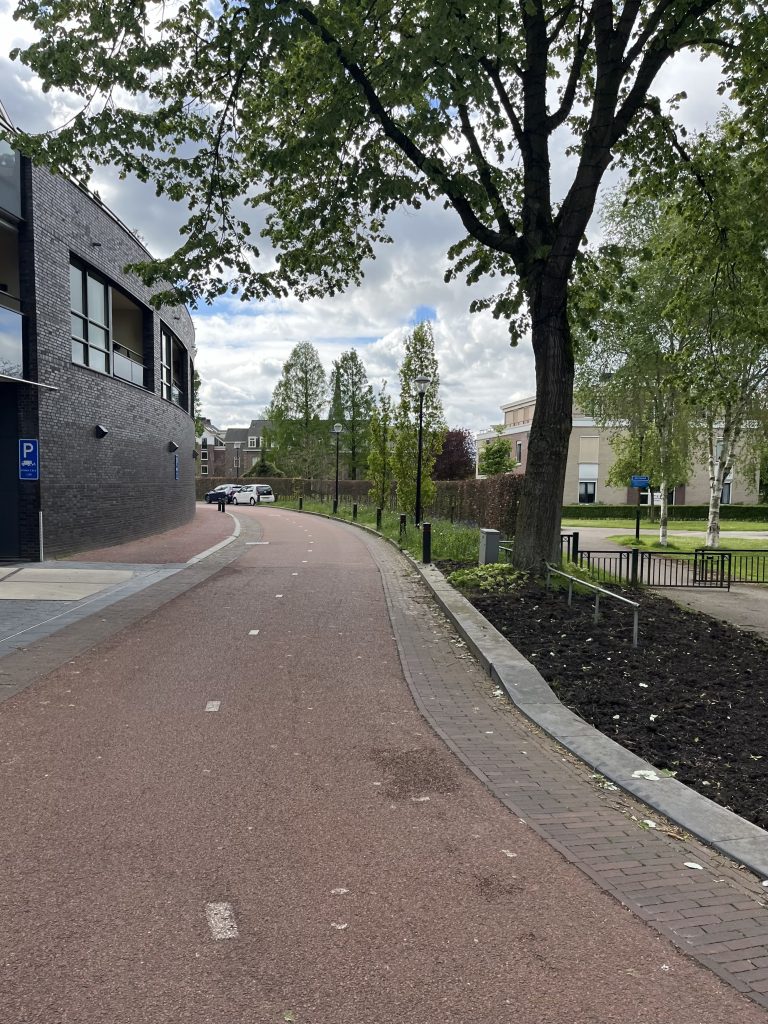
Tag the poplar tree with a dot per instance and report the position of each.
(380, 443)
(297, 427)
(351, 405)
(419, 360)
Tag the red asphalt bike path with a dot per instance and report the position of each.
(370, 875)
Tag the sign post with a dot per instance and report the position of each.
(639, 482)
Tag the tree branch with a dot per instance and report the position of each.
(430, 166)
(484, 170)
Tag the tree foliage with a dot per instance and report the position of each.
(325, 117)
(380, 445)
(419, 360)
(679, 349)
(351, 405)
(456, 460)
(297, 427)
(496, 457)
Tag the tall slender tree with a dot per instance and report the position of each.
(380, 445)
(419, 360)
(296, 414)
(351, 405)
(333, 114)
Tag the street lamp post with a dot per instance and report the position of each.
(422, 383)
(336, 429)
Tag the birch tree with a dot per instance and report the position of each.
(327, 116)
(628, 354)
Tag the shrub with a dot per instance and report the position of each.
(494, 578)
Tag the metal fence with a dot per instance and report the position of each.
(701, 568)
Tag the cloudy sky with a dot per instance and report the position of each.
(241, 347)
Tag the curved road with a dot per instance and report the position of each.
(310, 851)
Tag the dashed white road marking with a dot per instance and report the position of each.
(294, 574)
(213, 705)
(221, 921)
(278, 595)
(253, 632)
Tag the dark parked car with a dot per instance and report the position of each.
(228, 491)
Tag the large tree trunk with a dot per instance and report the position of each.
(537, 536)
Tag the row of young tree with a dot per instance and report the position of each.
(379, 436)
(671, 318)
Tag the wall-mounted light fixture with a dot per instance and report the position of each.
(172, 446)
(195, 454)
(96, 245)
(100, 431)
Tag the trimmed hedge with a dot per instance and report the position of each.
(756, 513)
(491, 503)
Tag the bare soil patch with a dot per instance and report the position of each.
(692, 698)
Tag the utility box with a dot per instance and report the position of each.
(489, 546)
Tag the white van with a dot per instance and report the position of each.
(253, 494)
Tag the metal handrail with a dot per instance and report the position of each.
(598, 591)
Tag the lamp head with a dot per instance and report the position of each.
(422, 383)
(337, 428)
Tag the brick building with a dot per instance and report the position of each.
(89, 370)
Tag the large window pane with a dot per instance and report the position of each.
(98, 360)
(78, 353)
(76, 288)
(97, 301)
(78, 326)
(10, 179)
(98, 336)
(11, 356)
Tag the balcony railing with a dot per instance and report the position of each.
(11, 349)
(126, 366)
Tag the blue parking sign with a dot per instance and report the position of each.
(29, 463)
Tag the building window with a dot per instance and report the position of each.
(173, 369)
(90, 307)
(518, 452)
(725, 494)
(203, 454)
(108, 328)
(587, 490)
(203, 471)
(253, 442)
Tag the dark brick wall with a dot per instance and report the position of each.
(96, 491)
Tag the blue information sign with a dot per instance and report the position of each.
(640, 481)
(29, 463)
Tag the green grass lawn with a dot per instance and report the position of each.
(694, 525)
(449, 540)
(687, 543)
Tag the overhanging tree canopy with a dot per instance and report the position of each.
(333, 113)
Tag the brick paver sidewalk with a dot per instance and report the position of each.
(717, 913)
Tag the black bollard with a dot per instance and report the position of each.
(426, 543)
(402, 525)
(378, 519)
(301, 503)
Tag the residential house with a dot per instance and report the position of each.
(244, 447)
(211, 451)
(590, 457)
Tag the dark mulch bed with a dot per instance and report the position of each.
(691, 699)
